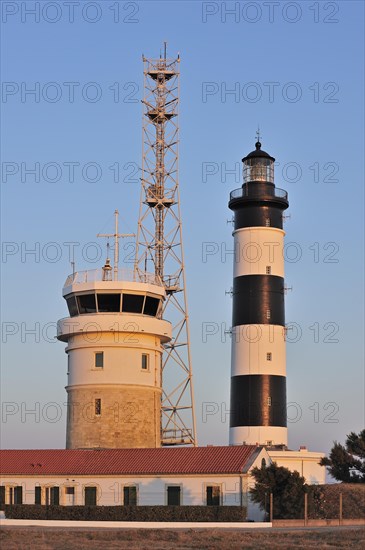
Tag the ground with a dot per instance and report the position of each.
(31, 538)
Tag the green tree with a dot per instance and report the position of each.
(287, 487)
(347, 463)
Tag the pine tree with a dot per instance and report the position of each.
(287, 487)
(347, 463)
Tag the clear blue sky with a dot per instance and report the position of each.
(297, 69)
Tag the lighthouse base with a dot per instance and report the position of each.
(267, 436)
(110, 417)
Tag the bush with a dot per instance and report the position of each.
(127, 513)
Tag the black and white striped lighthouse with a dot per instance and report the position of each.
(258, 383)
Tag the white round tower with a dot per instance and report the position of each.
(114, 334)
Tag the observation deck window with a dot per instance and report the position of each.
(108, 303)
(132, 303)
(72, 306)
(86, 303)
(151, 306)
(82, 304)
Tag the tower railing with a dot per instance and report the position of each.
(123, 274)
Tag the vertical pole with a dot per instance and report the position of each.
(116, 246)
(340, 511)
(271, 507)
(305, 508)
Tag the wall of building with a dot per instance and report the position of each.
(151, 490)
(304, 462)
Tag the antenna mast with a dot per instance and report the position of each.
(116, 236)
(159, 241)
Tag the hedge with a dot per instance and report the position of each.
(127, 513)
(324, 501)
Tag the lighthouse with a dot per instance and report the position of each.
(258, 360)
(115, 336)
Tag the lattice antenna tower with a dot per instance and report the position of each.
(160, 244)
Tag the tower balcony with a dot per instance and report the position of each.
(258, 192)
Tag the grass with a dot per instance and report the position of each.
(211, 539)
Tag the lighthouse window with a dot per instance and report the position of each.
(108, 303)
(268, 270)
(145, 361)
(269, 356)
(72, 306)
(267, 222)
(269, 401)
(99, 359)
(98, 407)
(132, 303)
(268, 314)
(86, 303)
(151, 306)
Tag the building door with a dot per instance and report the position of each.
(173, 495)
(90, 496)
(2, 495)
(213, 495)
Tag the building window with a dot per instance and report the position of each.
(269, 443)
(98, 407)
(268, 270)
(268, 314)
(269, 401)
(2, 495)
(16, 495)
(37, 495)
(213, 495)
(263, 463)
(174, 495)
(267, 222)
(52, 496)
(90, 496)
(99, 360)
(130, 495)
(145, 361)
(269, 356)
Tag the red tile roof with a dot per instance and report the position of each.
(177, 460)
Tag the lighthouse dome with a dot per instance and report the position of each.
(258, 153)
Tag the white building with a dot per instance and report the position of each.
(110, 477)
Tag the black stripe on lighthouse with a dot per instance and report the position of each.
(258, 215)
(258, 400)
(258, 300)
